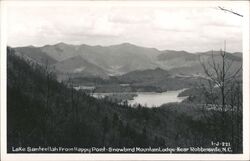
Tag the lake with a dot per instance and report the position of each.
(149, 99)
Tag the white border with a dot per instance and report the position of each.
(3, 81)
(244, 156)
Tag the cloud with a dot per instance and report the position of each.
(127, 16)
(172, 22)
(180, 28)
(102, 26)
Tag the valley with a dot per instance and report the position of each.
(55, 97)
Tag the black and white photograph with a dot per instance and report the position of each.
(104, 77)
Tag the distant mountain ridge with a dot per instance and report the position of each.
(104, 61)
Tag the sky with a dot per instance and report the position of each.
(192, 29)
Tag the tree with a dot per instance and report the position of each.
(106, 127)
(222, 92)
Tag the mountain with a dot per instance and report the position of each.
(182, 62)
(155, 80)
(114, 60)
(236, 56)
(60, 51)
(170, 59)
(172, 54)
(127, 57)
(78, 67)
(144, 75)
(119, 59)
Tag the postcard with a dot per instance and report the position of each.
(124, 80)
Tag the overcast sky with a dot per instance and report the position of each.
(192, 29)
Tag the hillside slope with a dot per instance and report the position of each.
(36, 55)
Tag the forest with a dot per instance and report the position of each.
(44, 112)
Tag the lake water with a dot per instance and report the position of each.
(153, 99)
(150, 99)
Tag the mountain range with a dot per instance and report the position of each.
(43, 112)
(105, 61)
